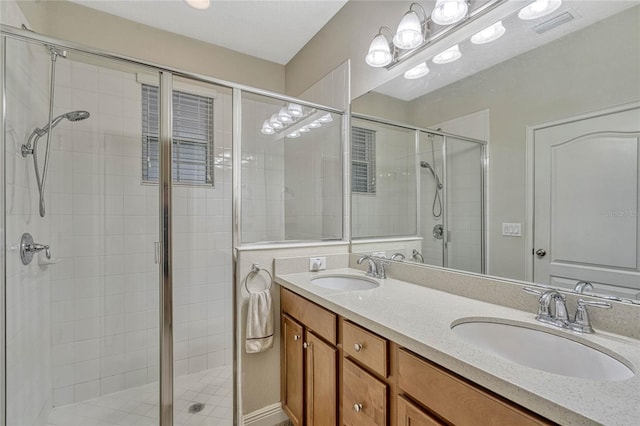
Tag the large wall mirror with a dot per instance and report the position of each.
(520, 159)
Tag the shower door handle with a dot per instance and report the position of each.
(541, 253)
(156, 252)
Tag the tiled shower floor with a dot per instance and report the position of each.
(139, 406)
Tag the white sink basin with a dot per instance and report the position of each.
(345, 282)
(540, 350)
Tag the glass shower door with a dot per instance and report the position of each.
(432, 196)
(82, 327)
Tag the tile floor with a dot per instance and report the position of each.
(139, 406)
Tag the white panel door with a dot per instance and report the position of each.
(587, 189)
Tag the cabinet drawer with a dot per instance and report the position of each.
(366, 347)
(312, 316)
(364, 398)
(410, 415)
(454, 399)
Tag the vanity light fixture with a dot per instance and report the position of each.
(451, 54)
(413, 28)
(418, 71)
(295, 110)
(283, 116)
(314, 125)
(293, 135)
(275, 123)
(489, 34)
(304, 129)
(199, 4)
(267, 129)
(380, 50)
(447, 12)
(326, 118)
(538, 9)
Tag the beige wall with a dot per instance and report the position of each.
(379, 105)
(592, 69)
(69, 21)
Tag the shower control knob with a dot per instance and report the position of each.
(541, 252)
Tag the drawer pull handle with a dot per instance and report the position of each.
(357, 347)
(296, 337)
(306, 345)
(357, 407)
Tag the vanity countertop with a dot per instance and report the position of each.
(419, 318)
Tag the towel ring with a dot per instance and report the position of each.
(255, 269)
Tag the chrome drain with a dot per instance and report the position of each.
(196, 408)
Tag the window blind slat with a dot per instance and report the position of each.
(363, 160)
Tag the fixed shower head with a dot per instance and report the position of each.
(71, 116)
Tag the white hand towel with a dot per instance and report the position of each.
(259, 322)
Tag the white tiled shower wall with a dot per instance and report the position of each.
(94, 328)
(28, 290)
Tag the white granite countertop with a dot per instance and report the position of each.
(420, 318)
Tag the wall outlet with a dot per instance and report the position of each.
(317, 264)
(379, 254)
(512, 229)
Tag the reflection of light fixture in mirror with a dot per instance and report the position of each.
(199, 4)
(418, 71)
(267, 129)
(314, 125)
(489, 34)
(379, 54)
(449, 55)
(412, 29)
(325, 118)
(447, 12)
(293, 135)
(283, 116)
(274, 122)
(295, 110)
(304, 129)
(538, 9)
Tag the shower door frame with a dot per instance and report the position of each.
(166, 74)
(483, 183)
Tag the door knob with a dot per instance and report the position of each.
(541, 252)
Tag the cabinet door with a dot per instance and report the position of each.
(292, 370)
(321, 382)
(410, 415)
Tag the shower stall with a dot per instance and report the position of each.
(426, 198)
(125, 312)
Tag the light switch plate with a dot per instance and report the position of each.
(512, 229)
(317, 264)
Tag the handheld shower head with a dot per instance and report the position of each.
(71, 116)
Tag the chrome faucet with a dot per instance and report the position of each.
(559, 317)
(376, 266)
(398, 256)
(581, 286)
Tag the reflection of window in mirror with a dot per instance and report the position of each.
(363, 160)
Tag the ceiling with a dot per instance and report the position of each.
(520, 37)
(274, 30)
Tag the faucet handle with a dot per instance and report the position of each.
(582, 324)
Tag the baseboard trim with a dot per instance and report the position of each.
(266, 416)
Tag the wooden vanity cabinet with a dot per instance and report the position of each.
(309, 362)
(326, 359)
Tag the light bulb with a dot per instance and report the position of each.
(199, 4)
(489, 34)
(304, 129)
(293, 135)
(267, 129)
(283, 116)
(418, 71)
(449, 55)
(409, 32)
(295, 110)
(379, 54)
(538, 9)
(314, 125)
(274, 122)
(325, 118)
(447, 12)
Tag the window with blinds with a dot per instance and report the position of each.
(363, 160)
(192, 137)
